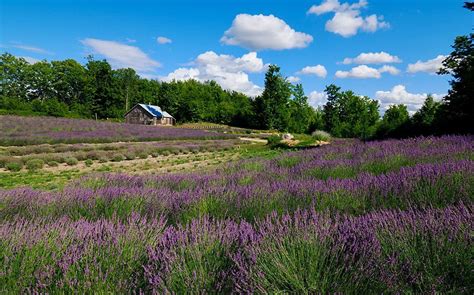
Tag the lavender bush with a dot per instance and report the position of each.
(352, 217)
(36, 130)
(414, 251)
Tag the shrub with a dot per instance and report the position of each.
(14, 166)
(130, 156)
(103, 159)
(143, 155)
(118, 157)
(71, 161)
(93, 155)
(88, 162)
(3, 161)
(274, 139)
(34, 164)
(321, 135)
(53, 164)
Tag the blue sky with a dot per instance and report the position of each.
(386, 49)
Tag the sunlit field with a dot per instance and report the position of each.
(387, 216)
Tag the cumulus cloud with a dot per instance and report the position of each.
(258, 32)
(293, 79)
(366, 72)
(399, 95)
(389, 69)
(360, 72)
(347, 19)
(430, 66)
(317, 70)
(229, 71)
(317, 99)
(163, 40)
(122, 55)
(373, 58)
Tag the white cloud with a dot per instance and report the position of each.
(325, 7)
(317, 70)
(430, 66)
(163, 40)
(373, 58)
(317, 99)
(257, 32)
(30, 48)
(366, 72)
(293, 79)
(347, 20)
(129, 40)
(399, 95)
(122, 55)
(230, 72)
(359, 72)
(389, 69)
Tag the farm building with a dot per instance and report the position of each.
(148, 114)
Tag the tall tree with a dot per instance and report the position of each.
(14, 74)
(273, 104)
(394, 122)
(69, 81)
(301, 113)
(331, 108)
(99, 88)
(349, 115)
(458, 110)
(126, 86)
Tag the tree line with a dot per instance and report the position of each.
(95, 90)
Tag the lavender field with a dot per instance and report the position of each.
(16, 130)
(392, 216)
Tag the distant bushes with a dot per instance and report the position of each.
(321, 135)
(34, 164)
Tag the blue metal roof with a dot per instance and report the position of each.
(153, 110)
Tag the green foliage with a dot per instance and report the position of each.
(14, 166)
(118, 157)
(272, 106)
(71, 161)
(88, 162)
(53, 164)
(273, 139)
(303, 118)
(395, 122)
(34, 164)
(457, 112)
(349, 115)
(321, 135)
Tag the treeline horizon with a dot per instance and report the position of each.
(95, 90)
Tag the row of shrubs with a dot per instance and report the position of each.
(63, 148)
(39, 161)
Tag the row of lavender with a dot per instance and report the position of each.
(37, 130)
(391, 216)
(350, 177)
(413, 251)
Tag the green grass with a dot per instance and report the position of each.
(38, 179)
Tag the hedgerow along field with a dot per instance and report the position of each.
(351, 217)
